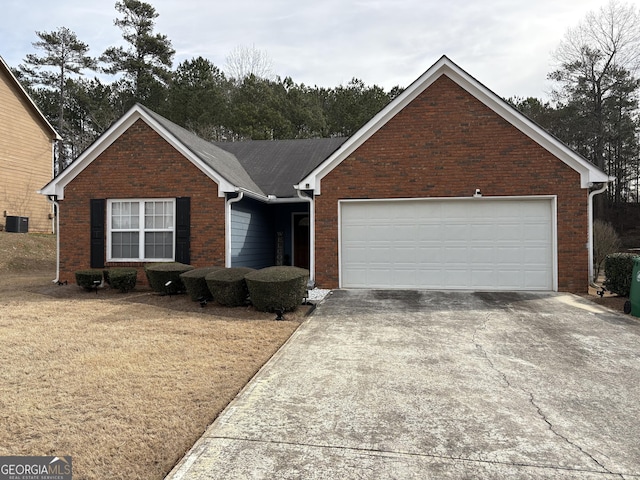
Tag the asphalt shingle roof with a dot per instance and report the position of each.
(220, 160)
(267, 167)
(277, 165)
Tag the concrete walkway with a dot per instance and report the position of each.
(415, 385)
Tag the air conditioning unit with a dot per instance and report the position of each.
(17, 224)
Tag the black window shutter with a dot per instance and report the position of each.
(183, 229)
(97, 232)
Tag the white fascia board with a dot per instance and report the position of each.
(369, 128)
(57, 185)
(589, 173)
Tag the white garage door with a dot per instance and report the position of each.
(475, 243)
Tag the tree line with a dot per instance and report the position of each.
(593, 106)
(246, 103)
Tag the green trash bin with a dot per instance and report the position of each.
(633, 305)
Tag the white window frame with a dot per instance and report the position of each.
(141, 229)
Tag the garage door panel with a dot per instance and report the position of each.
(533, 233)
(505, 278)
(452, 255)
(355, 233)
(535, 256)
(505, 244)
(430, 232)
(455, 231)
(405, 256)
(482, 254)
(507, 232)
(482, 231)
(480, 277)
(457, 277)
(510, 255)
(430, 254)
(357, 256)
(533, 279)
(404, 276)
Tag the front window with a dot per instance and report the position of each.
(141, 230)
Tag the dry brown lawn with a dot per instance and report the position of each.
(124, 383)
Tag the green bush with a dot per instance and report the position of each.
(195, 283)
(123, 279)
(87, 278)
(275, 288)
(228, 286)
(618, 269)
(159, 274)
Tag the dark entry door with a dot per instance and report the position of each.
(301, 240)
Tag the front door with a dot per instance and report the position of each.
(301, 235)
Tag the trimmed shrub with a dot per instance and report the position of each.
(228, 286)
(123, 279)
(275, 288)
(618, 268)
(159, 274)
(195, 283)
(88, 279)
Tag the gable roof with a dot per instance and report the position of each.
(220, 166)
(6, 72)
(277, 168)
(263, 168)
(589, 173)
(277, 165)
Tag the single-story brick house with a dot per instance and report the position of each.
(448, 187)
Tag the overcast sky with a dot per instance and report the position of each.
(505, 44)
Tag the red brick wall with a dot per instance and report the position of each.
(446, 144)
(141, 164)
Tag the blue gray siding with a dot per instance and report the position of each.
(254, 227)
(252, 235)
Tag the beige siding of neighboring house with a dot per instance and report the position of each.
(25, 159)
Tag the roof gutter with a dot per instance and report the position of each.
(312, 233)
(267, 198)
(590, 242)
(227, 227)
(54, 201)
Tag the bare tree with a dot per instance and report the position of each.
(597, 70)
(592, 56)
(613, 32)
(244, 61)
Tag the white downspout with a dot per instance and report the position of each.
(56, 211)
(227, 222)
(590, 244)
(312, 236)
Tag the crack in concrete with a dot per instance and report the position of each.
(380, 451)
(532, 401)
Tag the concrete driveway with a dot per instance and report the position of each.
(418, 385)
